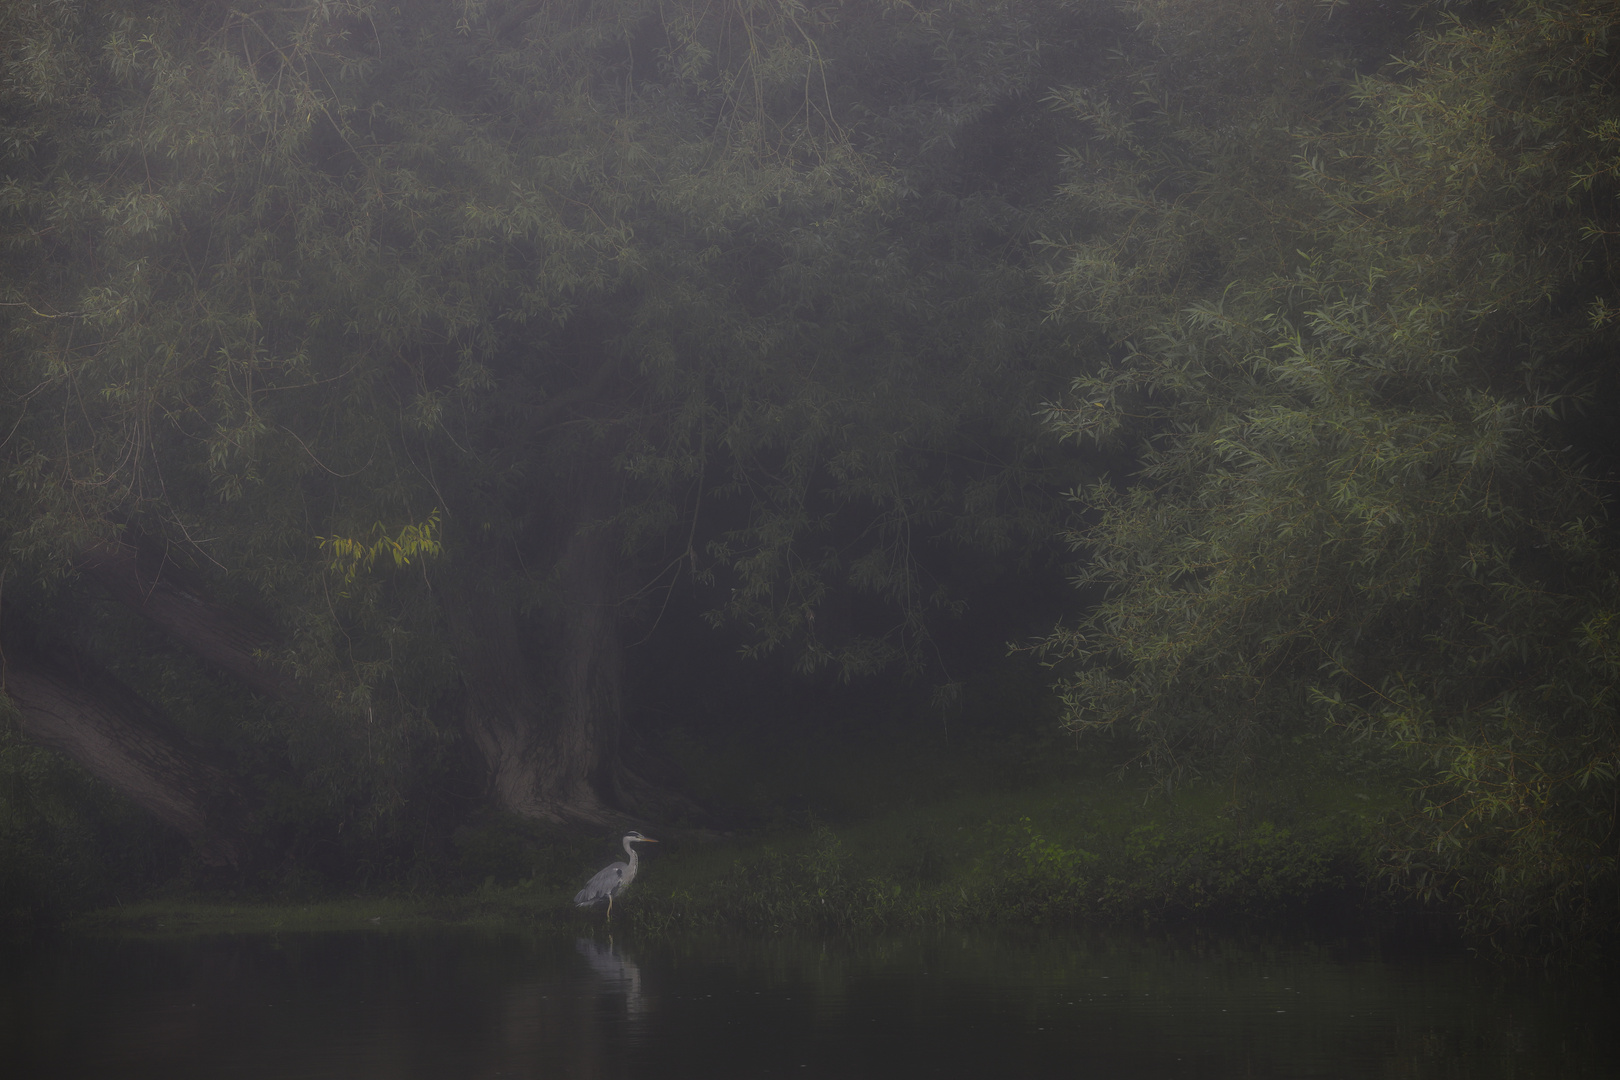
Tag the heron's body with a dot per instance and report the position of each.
(612, 880)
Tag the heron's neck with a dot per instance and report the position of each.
(630, 851)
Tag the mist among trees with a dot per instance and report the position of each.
(387, 387)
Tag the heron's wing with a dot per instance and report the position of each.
(603, 885)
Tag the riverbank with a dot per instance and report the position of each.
(1062, 854)
(1058, 849)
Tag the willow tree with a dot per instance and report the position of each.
(1368, 495)
(544, 300)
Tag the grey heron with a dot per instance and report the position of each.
(610, 881)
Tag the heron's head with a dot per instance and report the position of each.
(633, 837)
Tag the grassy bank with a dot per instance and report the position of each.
(1060, 853)
(1056, 845)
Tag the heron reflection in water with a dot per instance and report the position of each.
(614, 974)
(612, 880)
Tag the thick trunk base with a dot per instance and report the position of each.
(544, 699)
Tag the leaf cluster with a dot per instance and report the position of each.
(1354, 339)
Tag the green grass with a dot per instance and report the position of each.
(1074, 845)
(1068, 849)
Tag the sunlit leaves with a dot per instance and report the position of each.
(351, 557)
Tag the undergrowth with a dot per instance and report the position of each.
(1041, 857)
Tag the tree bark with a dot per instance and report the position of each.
(543, 694)
(101, 724)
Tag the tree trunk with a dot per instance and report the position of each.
(101, 724)
(543, 701)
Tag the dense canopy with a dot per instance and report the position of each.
(376, 376)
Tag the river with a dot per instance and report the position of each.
(455, 1004)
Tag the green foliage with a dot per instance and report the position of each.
(1104, 864)
(279, 272)
(496, 849)
(1352, 342)
(957, 840)
(351, 557)
(287, 271)
(64, 843)
(782, 286)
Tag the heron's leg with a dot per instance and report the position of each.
(610, 908)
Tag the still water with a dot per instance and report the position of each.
(466, 1005)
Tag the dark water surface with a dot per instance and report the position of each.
(469, 1005)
